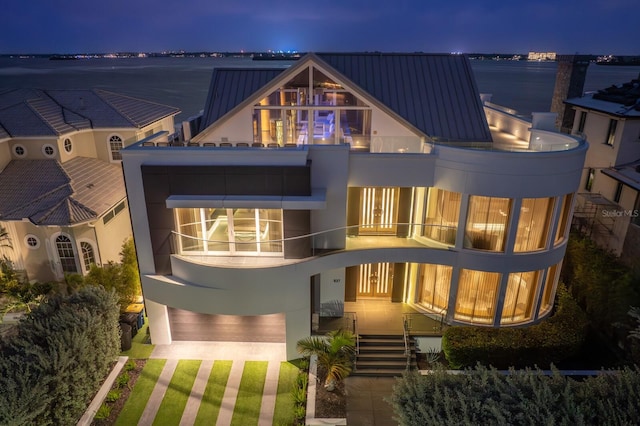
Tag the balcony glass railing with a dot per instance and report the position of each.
(313, 244)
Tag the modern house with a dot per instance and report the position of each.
(346, 181)
(608, 202)
(62, 195)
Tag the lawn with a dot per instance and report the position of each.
(247, 408)
(283, 414)
(178, 391)
(134, 407)
(213, 393)
(140, 348)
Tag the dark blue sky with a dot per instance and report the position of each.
(518, 26)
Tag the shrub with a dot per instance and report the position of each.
(103, 412)
(113, 395)
(122, 380)
(550, 341)
(58, 358)
(484, 396)
(299, 396)
(130, 365)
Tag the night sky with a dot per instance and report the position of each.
(469, 26)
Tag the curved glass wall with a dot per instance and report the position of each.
(487, 222)
(477, 294)
(549, 290)
(435, 282)
(533, 224)
(441, 213)
(519, 299)
(563, 222)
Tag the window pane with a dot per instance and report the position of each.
(190, 229)
(487, 223)
(435, 282)
(519, 298)
(533, 225)
(216, 225)
(476, 298)
(270, 221)
(244, 230)
(441, 216)
(66, 255)
(88, 257)
(549, 290)
(563, 223)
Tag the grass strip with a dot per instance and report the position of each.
(247, 409)
(178, 391)
(213, 393)
(283, 413)
(137, 401)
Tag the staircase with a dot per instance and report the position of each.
(383, 356)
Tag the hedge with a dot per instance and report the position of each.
(57, 359)
(551, 341)
(484, 396)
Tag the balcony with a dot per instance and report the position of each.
(320, 243)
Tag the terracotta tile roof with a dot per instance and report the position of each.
(49, 193)
(31, 112)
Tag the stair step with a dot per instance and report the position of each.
(382, 364)
(376, 356)
(378, 373)
(379, 342)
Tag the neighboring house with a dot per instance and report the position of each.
(350, 178)
(62, 196)
(608, 204)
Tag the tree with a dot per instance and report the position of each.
(335, 354)
(5, 239)
(121, 277)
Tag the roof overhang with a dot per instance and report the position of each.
(316, 201)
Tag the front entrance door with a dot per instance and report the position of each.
(378, 211)
(375, 280)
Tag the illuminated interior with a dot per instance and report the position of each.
(434, 286)
(533, 225)
(487, 222)
(441, 213)
(477, 296)
(375, 280)
(519, 297)
(311, 108)
(549, 290)
(240, 232)
(564, 221)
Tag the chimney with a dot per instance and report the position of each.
(570, 78)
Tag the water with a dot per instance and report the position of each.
(184, 82)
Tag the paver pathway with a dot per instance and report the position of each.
(195, 397)
(269, 394)
(230, 394)
(157, 395)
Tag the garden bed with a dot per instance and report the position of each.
(125, 390)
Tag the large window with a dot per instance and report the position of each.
(88, 255)
(549, 290)
(435, 282)
(115, 145)
(66, 254)
(311, 108)
(477, 294)
(230, 231)
(441, 212)
(533, 225)
(487, 223)
(563, 221)
(519, 298)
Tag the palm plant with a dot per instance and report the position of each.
(335, 354)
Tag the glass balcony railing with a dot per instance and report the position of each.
(320, 243)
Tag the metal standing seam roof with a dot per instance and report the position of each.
(231, 86)
(436, 93)
(50, 193)
(32, 112)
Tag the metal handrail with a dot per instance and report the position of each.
(405, 333)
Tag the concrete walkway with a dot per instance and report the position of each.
(193, 403)
(157, 395)
(366, 405)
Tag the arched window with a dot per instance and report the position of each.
(115, 145)
(66, 255)
(88, 255)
